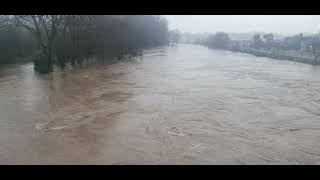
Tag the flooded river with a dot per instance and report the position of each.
(182, 104)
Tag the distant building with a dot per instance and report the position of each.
(305, 47)
(292, 43)
(245, 44)
(277, 43)
(307, 44)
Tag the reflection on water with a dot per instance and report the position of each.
(176, 105)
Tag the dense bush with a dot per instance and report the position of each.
(15, 44)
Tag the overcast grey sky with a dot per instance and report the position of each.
(284, 24)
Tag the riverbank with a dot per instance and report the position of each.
(19, 60)
(307, 58)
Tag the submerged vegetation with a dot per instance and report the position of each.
(58, 40)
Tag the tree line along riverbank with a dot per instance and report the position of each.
(61, 40)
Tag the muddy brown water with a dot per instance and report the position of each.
(182, 104)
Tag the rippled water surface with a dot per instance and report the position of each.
(175, 105)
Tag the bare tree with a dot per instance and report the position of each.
(73, 39)
(175, 36)
(257, 41)
(45, 28)
(268, 40)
